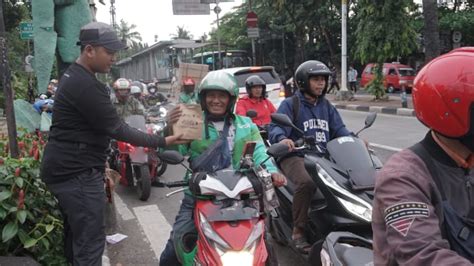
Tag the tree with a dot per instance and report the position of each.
(128, 34)
(182, 33)
(385, 31)
(430, 30)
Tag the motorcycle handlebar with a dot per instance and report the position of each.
(177, 184)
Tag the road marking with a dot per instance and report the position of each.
(155, 226)
(385, 147)
(122, 208)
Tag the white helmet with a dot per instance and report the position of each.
(135, 89)
(121, 84)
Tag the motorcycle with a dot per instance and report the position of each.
(262, 129)
(229, 213)
(132, 162)
(155, 123)
(344, 173)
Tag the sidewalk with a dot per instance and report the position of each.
(365, 102)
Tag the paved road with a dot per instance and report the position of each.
(147, 224)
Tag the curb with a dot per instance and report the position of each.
(377, 109)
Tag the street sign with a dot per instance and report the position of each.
(190, 7)
(26, 30)
(457, 36)
(252, 32)
(252, 20)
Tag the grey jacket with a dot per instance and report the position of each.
(405, 219)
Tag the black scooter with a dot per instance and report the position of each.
(344, 173)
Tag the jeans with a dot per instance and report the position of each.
(82, 202)
(183, 220)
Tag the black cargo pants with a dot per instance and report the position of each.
(82, 202)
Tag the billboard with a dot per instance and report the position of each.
(190, 7)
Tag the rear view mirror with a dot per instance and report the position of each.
(278, 150)
(171, 157)
(281, 120)
(284, 120)
(370, 119)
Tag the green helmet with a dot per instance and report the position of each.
(221, 81)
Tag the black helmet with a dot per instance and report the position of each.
(255, 80)
(308, 69)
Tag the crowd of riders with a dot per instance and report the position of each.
(424, 210)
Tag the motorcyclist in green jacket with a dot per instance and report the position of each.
(188, 94)
(217, 94)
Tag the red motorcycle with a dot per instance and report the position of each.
(229, 214)
(133, 163)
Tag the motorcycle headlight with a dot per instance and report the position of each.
(356, 209)
(237, 258)
(211, 234)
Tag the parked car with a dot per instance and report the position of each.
(396, 76)
(274, 92)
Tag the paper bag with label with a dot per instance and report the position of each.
(190, 123)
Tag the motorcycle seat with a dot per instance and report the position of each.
(352, 256)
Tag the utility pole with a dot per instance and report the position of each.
(7, 89)
(112, 14)
(344, 94)
(217, 10)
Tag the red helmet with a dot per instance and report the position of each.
(443, 93)
(189, 81)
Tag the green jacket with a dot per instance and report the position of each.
(245, 131)
(131, 107)
(187, 98)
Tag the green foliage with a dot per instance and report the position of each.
(375, 86)
(128, 34)
(462, 20)
(17, 48)
(182, 33)
(384, 31)
(30, 220)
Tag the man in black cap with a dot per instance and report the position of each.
(84, 120)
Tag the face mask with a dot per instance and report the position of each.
(189, 89)
(152, 90)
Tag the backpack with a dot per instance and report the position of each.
(459, 231)
(296, 108)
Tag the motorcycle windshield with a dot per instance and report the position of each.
(136, 121)
(234, 210)
(137, 154)
(351, 155)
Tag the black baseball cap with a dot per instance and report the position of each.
(100, 34)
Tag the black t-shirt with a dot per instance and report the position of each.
(84, 120)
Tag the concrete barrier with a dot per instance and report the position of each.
(405, 112)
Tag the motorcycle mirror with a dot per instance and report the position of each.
(277, 150)
(251, 113)
(369, 121)
(171, 157)
(284, 120)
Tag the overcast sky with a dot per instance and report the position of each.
(156, 17)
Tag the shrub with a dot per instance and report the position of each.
(30, 220)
